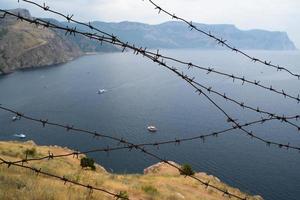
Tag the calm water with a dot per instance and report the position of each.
(142, 93)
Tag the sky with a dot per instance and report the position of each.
(273, 15)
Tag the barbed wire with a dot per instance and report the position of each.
(234, 77)
(209, 89)
(176, 141)
(62, 178)
(186, 78)
(75, 154)
(202, 137)
(189, 65)
(222, 42)
(119, 196)
(116, 42)
(138, 147)
(136, 51)
(130, 146)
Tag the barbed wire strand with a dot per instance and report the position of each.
(189, 65)
(176, 141)
(221, 41)
(62, 178)
(209, 89)
(207, 184)
(283, 118)
(119, 196)
(72, 31)
(97, 134)
(185, 77)
(108, 149)
(162, 62)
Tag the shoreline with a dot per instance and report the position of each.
(161, 179)
(3, 73)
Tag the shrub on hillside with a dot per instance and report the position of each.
(30, 152)
(186, 170)
(87, 162)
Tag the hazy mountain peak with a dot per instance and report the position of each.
(175, 34)
(22, 12)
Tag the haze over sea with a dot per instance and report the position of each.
(141, 93)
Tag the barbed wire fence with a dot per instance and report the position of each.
(220, 41)
(69, 18)
(185, 77)
(156, 58)
(62, 178)
(202, 137)
(224, 191)
(208, 70)
(160, 60)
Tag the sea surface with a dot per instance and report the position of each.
(141, 93)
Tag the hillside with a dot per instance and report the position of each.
(175, 34)
(158, 182)
(24, 45)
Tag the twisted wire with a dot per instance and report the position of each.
(209, 70)
(62, 178)
(136, 50)
(222, 42)
(113, 40)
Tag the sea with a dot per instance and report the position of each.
(141, 93)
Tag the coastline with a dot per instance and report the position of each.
(3, 73)
(159, 181)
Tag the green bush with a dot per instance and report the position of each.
(186, 170)
(30, 152)
(87, 162)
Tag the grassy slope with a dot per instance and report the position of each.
(163, 183)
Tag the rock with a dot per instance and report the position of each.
(162, 168)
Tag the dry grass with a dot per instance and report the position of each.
(163, 184)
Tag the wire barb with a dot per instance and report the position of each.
(223, 42)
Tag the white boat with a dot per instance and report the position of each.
(101, 91)
(152, 128)
(20, 135)
(14, 118)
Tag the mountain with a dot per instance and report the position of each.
(174, 34)
(24, 45)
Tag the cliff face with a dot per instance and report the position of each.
(23, 45)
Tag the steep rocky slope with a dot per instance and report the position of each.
(24, 45)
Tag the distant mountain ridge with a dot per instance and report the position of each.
(173, 34)
(23, 45)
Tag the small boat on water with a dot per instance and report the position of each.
(20, 135)
(152, 128)
(101, 91)
(15, 118)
